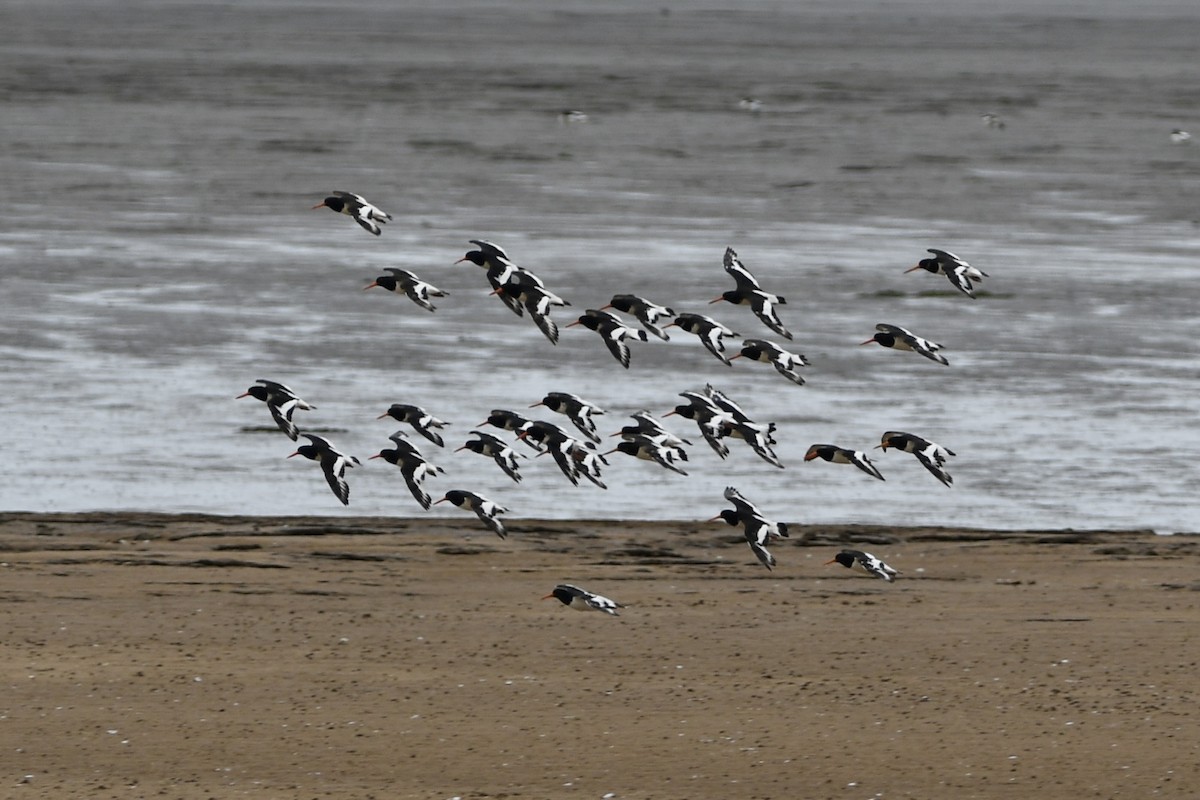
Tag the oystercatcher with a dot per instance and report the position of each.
(405, 282)
(498, 450)
(750, 293)
(961, 274)
(647, 313)
(931, 454)
(898, 338)
(757, 528)
(576, 409)
(841, 455)
(613, 331)
(413, 466)
(488, 511)
(656, 450)
(784, 362)
(333, 464)
(281, 402)
(864, 562)
(583, 600)
(356, 207)
(419, 418)
(710, 331)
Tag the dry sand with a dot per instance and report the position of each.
(215, 657)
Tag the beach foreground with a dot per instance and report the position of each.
(151, 655)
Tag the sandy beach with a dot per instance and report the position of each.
(190, 657)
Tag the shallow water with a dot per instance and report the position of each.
(161, 254)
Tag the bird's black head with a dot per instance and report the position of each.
(553, 403)
(729, 515)
(476, 257)
(390, 456)
(622, 302)
(845, 558)
(257, 392)
(562, 594)
(387, 282)
(589, 321)
(685, 410)
(885, 339)
(752, 352)
(335, 203)
(308, 451)
(456, 497)
(928, 264)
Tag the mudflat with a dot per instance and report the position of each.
(183, 656)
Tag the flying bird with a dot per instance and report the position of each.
(647, 313)
(333, 464)
(960, 274)
(841, 455)
(281, 402)
(404, 282)
(498, 450)
(898, 338)
(487, 511)
(655, 450)
(583, 600)
(758, 529)
(931, 454)
(421, 420)
(578, 410)
(784, 362)
(710, 331)
(613, 331)
(354, 206)
(864, 562)
(413, 466)
(750, 293)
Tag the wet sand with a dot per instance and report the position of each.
(194, 657)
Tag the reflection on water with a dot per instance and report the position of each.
(164, 258)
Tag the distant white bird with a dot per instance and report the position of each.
(1180, 136)
(992, 121)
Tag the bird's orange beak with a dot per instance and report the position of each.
(830, 561)
(739, 355)
(602, 308)
(719, 299)
(295, 454)
(320, 205)
(547, 597)
(243, 394)
(370, 285)
(377, 455)
(809, 456)
(381, 416)
(464, 447)
(868, 341)
(714, 519)
(911, 269)
(535, 405)
(435, 502)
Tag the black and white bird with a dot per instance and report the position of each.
(758, 529)
(570, 454)
(583, 600)
(333, 463)
(535, 298)
(750, 293)
(510, 421)
(656, 450)
(898, 338)
(576, 409)
(498, 450)
(931, 454)
(647, 313)
(736, 423)
(499, 269)
(712, 333)
(354, 206)
(413, 466)
(785, 363)
(864, 562)
(645, 424)
(401, 281)
(613, 331)
(487, 511)
(708, 416)
(281, 402)
(421, 420)
(841, 455)
(960, 274)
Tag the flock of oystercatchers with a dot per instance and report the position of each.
(717, 416)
